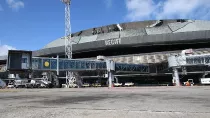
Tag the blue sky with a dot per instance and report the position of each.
(31, 24)
(40, 21)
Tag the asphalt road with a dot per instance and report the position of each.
(142, 102)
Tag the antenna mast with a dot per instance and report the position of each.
(70, 80)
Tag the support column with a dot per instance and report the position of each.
(67, 83)
(57, 65)
(176, 76)
(78, 80)
(17, 76)
(110, 79)
(117, 81)
(110, 68)
(30, 75)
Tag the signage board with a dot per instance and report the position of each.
(113, 42)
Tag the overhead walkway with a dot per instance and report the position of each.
(123, 64)
(192, 60)
(51, 64)
(187, 62)
(198, 60)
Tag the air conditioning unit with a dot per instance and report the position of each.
(100, 58)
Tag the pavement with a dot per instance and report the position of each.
(134, 102)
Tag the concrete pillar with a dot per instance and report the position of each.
(30, 75)
(117, 81)
(110, 69)
(176, 76)
(67, 82)
(111, 77)
(17, 76)
(57, 65)
(79, 82)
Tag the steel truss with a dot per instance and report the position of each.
(70, 78)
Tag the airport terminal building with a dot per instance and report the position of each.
(143, 42)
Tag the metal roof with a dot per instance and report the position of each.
(134, 34)
(142, 30)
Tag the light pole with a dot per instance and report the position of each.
(70, 80)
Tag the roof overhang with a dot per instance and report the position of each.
(145, 40)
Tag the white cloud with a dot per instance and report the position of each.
(139, 8)
(4, 49)
(15, 4)
(1, 8)
(108, 3)
(166, 9)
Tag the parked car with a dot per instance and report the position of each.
(10, 85)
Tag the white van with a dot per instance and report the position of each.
(205, 81)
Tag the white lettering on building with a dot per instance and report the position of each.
(113, 42)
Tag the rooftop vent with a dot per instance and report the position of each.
(157, 23)
(119, 27)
